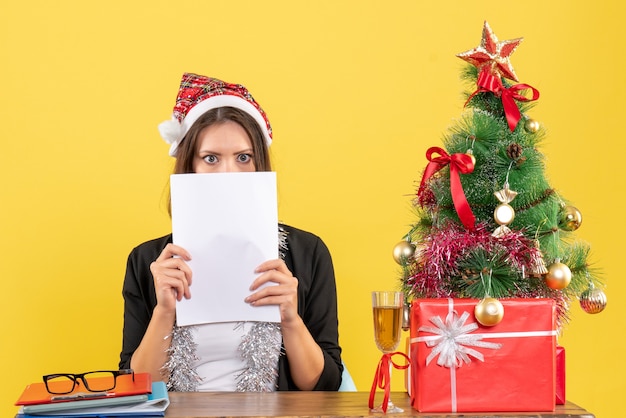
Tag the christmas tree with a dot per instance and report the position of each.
(489, 225)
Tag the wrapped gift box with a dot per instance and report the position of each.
(508, 367)
(560, 375)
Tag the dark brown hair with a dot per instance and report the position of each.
(187, 148)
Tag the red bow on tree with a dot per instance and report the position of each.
(489, 82)
(459, 163)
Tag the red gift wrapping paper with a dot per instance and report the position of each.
(407, 371)
(517, 375)
(560, 375)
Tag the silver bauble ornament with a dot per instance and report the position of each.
(403, 251)
(570, 218)
(558, 276)
(592, 300)
(489, 312)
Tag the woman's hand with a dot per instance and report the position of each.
(172, 276)
(284, 293)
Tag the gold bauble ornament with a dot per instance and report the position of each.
(558, 276)
(570, 218)
(470, 153)
(489, 312)
(531, 126)
(592, 300)
(403, 251)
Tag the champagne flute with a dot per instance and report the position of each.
(387, 307)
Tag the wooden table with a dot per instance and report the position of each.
(317, 404)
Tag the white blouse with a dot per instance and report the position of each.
(220, 361)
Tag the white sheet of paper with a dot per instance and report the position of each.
(229, 224)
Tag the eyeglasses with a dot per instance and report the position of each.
(97, 381)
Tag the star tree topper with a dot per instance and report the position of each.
(492, 54)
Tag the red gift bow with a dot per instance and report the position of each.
(458, 163)
(488, 82)
(382, 379)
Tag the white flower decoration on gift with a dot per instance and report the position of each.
(453, 340)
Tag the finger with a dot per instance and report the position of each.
(271, 295)
(175, 279)
(161, 266)
(286, 302)
(172, 286)
(272, 278)
(269, 300)
(272, 271)
(172, 250)
(169, 272)
(176, 264)
(276, 264)
(288, 287)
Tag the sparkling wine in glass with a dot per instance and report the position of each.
(388, 308)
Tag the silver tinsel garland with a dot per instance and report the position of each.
(282, 242)
(183, 377)
(260, 348)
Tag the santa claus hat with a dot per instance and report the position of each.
(197, 95)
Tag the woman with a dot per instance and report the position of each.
(218, 127)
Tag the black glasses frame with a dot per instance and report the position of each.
(75, 378)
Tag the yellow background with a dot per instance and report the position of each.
(356, 92)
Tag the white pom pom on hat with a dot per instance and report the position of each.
(197, 95)
(170, 131)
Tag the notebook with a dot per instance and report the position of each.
(36, 393)
(88, 403)
(155, 406)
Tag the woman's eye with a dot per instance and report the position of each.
(244, 158)
(211, 159)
